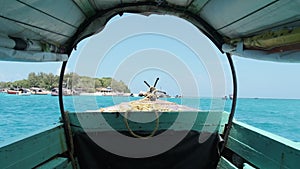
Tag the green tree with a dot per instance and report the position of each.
(21, 83)
(49, 81)
(71, 80)
(119, 86)
(33, 80)
(106, 81)
(98, 83)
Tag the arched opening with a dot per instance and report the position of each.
(148, 50)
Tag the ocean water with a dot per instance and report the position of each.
(24, 115)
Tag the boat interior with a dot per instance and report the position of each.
(48, 31)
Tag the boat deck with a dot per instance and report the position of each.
(48, 149)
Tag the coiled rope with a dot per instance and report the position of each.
(139, 136)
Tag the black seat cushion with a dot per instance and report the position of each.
(188, 154)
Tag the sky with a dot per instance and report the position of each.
(134, 48)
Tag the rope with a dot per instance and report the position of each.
(65, 119)
(138, 136)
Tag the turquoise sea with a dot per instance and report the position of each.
(24, 115)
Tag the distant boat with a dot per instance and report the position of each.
(2, 91)
(10, 91)
(225, 98)
(178, 96)
(21, 92)
(66, 92)
(230, 96)
(134, 95)
(54, 92)
(38, 91)
(142, 93)
(160, 94)
(24, 92)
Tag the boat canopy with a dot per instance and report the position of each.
(39, 30)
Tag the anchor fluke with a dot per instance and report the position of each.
(156, 82)
(147, 84)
